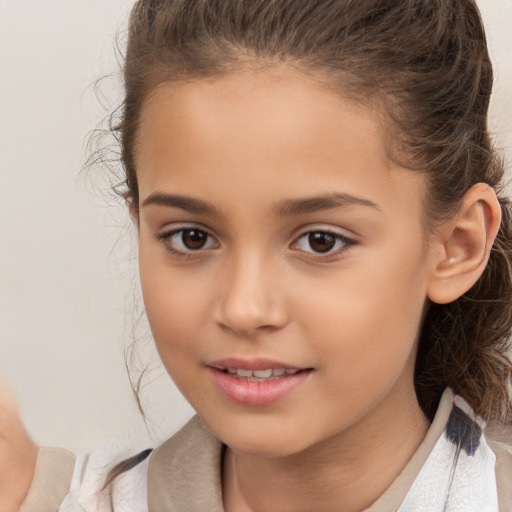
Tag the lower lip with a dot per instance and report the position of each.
(255, 393)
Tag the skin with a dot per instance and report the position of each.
(246, 143)
(18, 453)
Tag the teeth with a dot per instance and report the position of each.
(262, 375)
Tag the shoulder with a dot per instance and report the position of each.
(183, 473)
(458, 470)
(483, 442)
(108, 479)
(499, 440)
(94, 482)
(103, 482)
(51, 480)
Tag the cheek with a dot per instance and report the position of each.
(368, 319)
(173, 303)
(174, 313)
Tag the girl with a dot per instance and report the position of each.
(325, 257)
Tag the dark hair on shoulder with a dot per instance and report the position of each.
(426, 64)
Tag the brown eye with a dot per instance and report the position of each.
(194, 239)
(188, 240)
(321, 242)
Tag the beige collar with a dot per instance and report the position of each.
(185, 471)
(396, 492)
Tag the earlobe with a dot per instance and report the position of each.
(464, 245)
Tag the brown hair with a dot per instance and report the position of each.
(426, 63)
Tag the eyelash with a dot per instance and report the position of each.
(343, 241)
(339, 239)
(166, 238)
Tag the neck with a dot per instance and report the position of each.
(347, 472)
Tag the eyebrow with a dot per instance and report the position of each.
(287, 208)
(189, 204)
(293, 207)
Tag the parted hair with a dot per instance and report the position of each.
(425, 64)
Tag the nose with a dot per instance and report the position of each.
(250, 300)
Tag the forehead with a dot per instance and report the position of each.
(256, 131)
(271, 106)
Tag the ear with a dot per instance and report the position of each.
(464, 245)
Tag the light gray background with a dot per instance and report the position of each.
(67, 265)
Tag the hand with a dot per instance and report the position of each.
(18, 454)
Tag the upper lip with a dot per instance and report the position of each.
(251, 364)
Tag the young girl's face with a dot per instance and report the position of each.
(276, 234)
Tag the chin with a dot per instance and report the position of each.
(263, 441)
